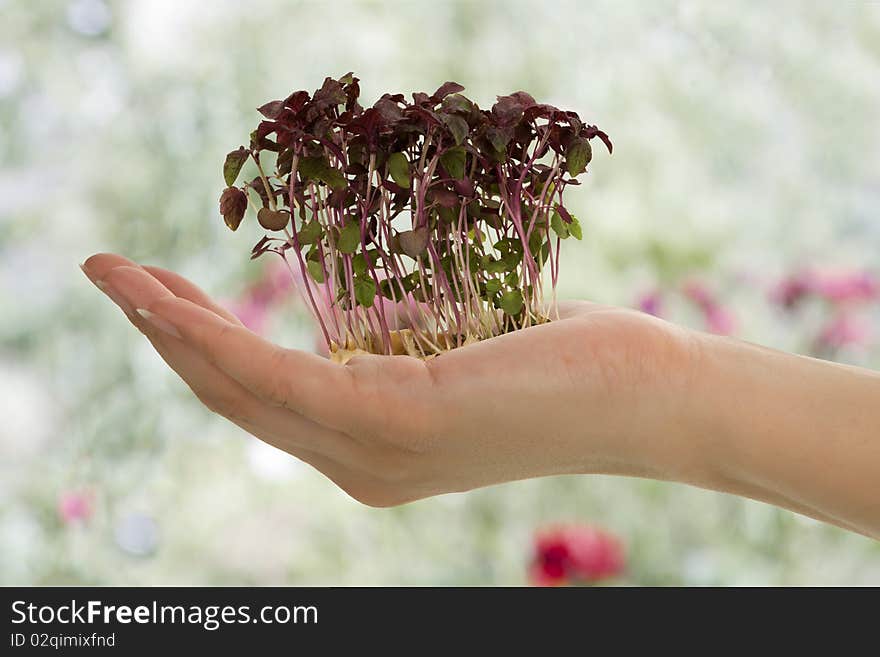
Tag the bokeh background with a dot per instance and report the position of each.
(743, 197)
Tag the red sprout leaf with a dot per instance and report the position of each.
(257, 185)
(593, 131)
(413, 242)
(565, 214)
(464, 187)
(273, 219)
(233, 204)
(446, 198)
(445, 89)
(388, 109)
(272, 109)
(508, 110)
(296, 100)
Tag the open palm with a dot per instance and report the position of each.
(570, 396)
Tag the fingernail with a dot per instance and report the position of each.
(85, 271)
(159, 322)
(115, 296)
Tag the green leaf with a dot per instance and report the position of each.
(559, 226)
(310, 168)
(493, 266)
(391, 288)
(334, 178)
(364, 291)
(575, 228)
(356, 153)
(535, 241)
(499, 139)
(318, 168)
(578, 156)
(423, 293)
(511, 302)
(233, 164)
(310, 232)
(493, 286)
(284, 162)
(457, 126)
(511, 260)
(359, 263)
(457, 103)
(316, 270)
(545, 253)
(398, 167)
(454, 160)
(448, 215)
(410, 281)
(349, 238)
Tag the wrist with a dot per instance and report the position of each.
(652, 418)
(708, 394)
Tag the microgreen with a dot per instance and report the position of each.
(433, 214)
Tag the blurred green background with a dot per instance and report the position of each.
(747, 147)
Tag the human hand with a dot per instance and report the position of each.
(597, 391)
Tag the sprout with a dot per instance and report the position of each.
(431, 214)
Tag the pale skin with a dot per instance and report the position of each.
(602, 390)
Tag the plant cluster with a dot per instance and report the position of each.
(431, 214)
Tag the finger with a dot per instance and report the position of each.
(98, 266)
(273, 425)
(185, 289)
(217, 391)
(295, 435)
(304, 383)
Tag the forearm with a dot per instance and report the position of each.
(789, 430)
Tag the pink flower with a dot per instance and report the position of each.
(253, 313)
(274, 285)
(575, 554)
(845, 329)
(791, 290)
(255, 304)
(838, 287)
(698, 293)
(719, 320)
(846, 287)
(651, 303)
(75, 506)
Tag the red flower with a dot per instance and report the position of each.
(573, 554)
